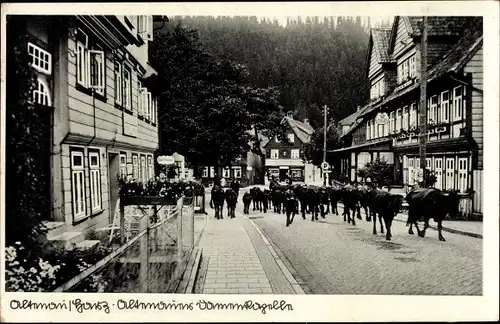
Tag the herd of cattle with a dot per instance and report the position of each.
(423, 204)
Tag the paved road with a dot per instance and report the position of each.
(332, 257)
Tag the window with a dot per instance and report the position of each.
(405, 70)
(154, 111)
(380, 129)
(445, 106)
(90, 65)
(428, 164)
(95, 180)
(413, 69)
(237, 172)
(411, 172)
(398, 120)
(78, 185)
(413, 115)
(291, 138)
(144, 176)
(372, 124)
(368, 131)
(146, 27)
(405, 117)
(151, 168)
(432, 112)
(276, 139)
(205, 172)
(41, 94)
(274, 154)
(457, 103)
(226, 173)
(462, 174)
(118, 83)
(127, 88)
(41, 59)
(135, 167)
(391, 121)
(212, 172)
(450, 173)
(438, 172)
(295, 154)
(123, 164)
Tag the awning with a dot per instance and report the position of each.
(371, 146)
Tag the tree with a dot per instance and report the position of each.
(26, 204)
(207, 104)
(314, 149)
(378, 171)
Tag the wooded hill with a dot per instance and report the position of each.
(313, 62)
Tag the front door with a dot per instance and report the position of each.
(283, 174)
(113, 172)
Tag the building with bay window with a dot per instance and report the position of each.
(454, 106)
(93, 80)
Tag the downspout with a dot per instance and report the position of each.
(93, 105)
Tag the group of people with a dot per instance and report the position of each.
(230, 196)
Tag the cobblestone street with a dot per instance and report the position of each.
(332, 257)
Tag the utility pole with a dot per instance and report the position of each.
(325, 174)
(423, 98)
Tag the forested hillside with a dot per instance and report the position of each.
(313, 62)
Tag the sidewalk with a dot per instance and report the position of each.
(237, 260)
(468, 228)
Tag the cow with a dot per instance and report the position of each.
(387, 206)
(247, 199)
(217, 201)
(350, 199)
(334, 196)
(313, 200)
(291, 206)
(235, 185)
(300, 193)
(364, 201)
(278, 198)
(255, 197)
(231, 200)
(430, 203)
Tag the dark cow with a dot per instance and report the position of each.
(231, 200)
(335, 195)
(430, 203)
(291, 206)
(300, 193)
(313, 200)
(387, 206)
(217, 201)
(247, 200)
(365, 201)
(350, 199)
(255, 192)
(235, 185)
(278, 198)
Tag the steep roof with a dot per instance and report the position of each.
(355, 117)
(438, 25)
(349, 120)
(302, 130)
(380, 37)
(451, 62)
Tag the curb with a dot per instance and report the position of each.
(450, 230)
(288, 275)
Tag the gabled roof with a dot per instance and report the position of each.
(437, 26)
(356, 116)
(451, 62)
(380, 38)
(302, 130)
(349, 120)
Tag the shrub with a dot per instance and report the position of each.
(379, 172)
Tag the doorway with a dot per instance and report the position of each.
(113, 172)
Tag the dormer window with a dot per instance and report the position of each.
(291, 138)
(377, 89)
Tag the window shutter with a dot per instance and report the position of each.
(147, 105)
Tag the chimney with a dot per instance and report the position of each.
(289, 114)
(359, 107)
(306, 121)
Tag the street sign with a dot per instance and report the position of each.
(382, 119)
(165, 160)
(325, 166)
